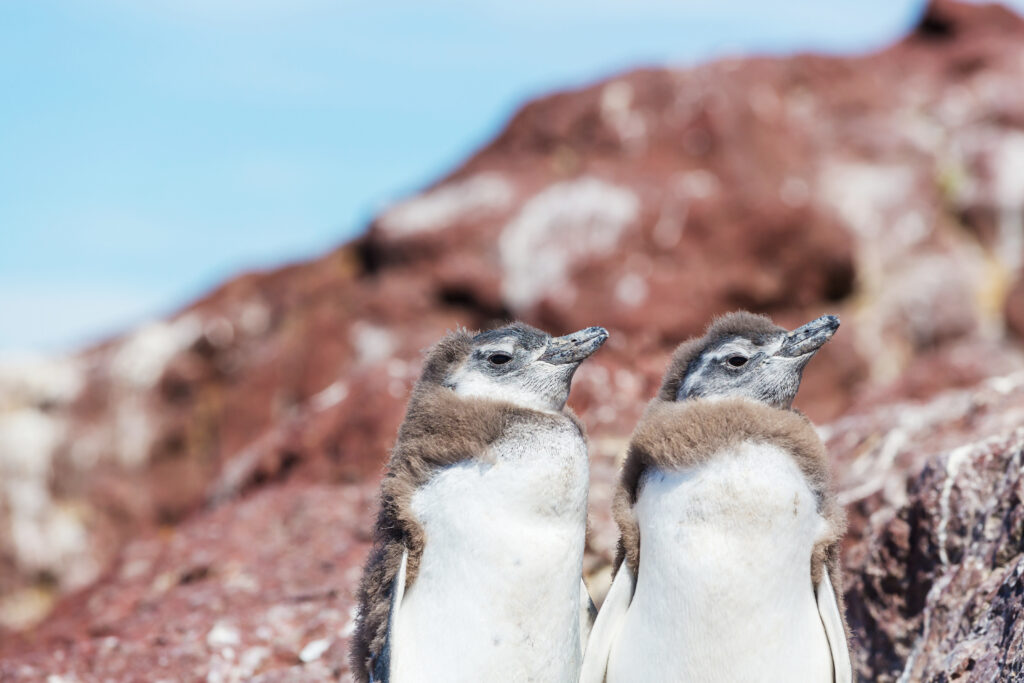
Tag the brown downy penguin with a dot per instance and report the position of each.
(475, 573)
(728, 563)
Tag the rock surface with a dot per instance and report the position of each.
(192, 499)
(259, 590)
(934, 559)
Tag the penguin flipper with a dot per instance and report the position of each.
(588, 614)
(606, 628)
(828, 609)
(381, 671)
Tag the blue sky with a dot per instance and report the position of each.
(148, 150)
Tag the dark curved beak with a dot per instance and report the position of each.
(575, 347)
(809, 338)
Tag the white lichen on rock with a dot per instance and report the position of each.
(444, 205)
(139, 360)
(562, 225)
(41, 535)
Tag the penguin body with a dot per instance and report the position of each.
(476, 568)
(729, 533)
(501, 574)
(724, 564)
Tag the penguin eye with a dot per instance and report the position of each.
(737, 361)
(499, 358)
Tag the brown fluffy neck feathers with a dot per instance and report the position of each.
(674, 435)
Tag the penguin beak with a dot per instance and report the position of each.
(809, 338)
(575, 347)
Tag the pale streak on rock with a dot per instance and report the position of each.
(880, 463)
(1009, 190)
(372, 343)
(564, 224)
(37, 380)
(330, 396)
(863, 193)
(618, 112)
(937, 589)
(955, 459)
(314, 650)
(139, 361)
(451, 202)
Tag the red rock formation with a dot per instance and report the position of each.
(935, 555)
(175, 489)
(259, 587)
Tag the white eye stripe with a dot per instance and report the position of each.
(730, 351)
(505, 348)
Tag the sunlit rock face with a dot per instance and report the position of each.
(192, 499)
(934, 560)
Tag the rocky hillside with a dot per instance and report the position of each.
(193, 499)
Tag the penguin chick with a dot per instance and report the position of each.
(475, 572)
(728, 562)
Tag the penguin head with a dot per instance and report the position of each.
(743, 355)
(522, 365)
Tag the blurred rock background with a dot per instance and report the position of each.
(194, 499)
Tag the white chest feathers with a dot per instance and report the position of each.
(723, 591)
(497, 593)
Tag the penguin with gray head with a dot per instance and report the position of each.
(728, 562)
(476, 569)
